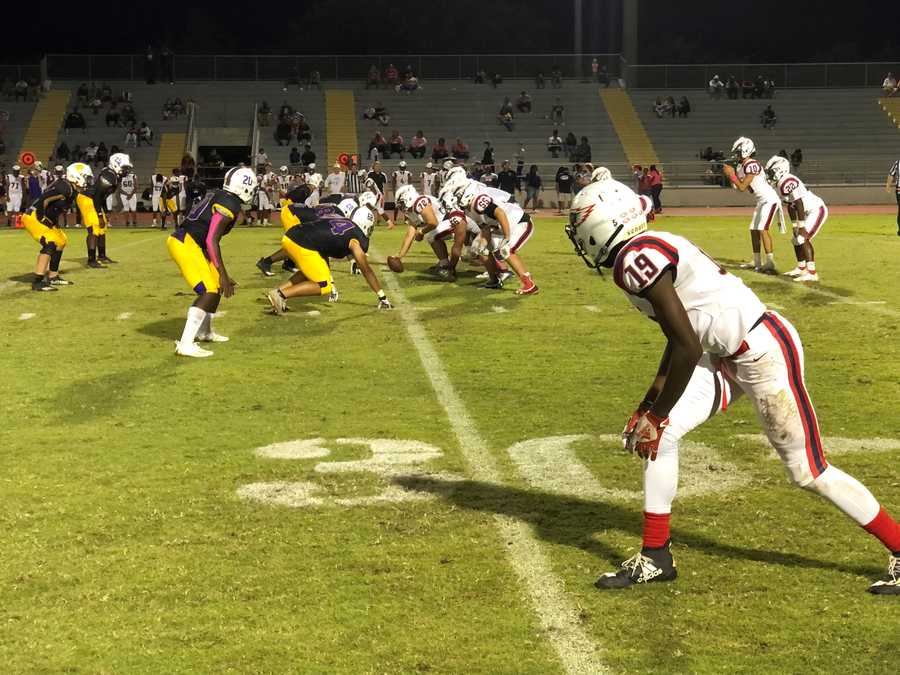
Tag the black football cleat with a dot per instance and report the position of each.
(492, 285)
(265, 267)
(651, 565)
(59, 281)
(96, 264)
(289, 266)
(42, 286)
(107, 261)
(889, 584)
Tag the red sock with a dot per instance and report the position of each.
(656, 529)
(886, 529)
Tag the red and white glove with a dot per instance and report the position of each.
(645, 436)
(632, 422)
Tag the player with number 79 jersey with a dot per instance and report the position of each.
(722, 343)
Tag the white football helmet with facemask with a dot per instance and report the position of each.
(406, 196)
(241, 182)
(120, 163)
(79, 175)
(777, 167)
(743, 148)
(364, 219)
(599, 221)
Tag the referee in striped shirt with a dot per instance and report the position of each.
(893, 183)
(354, 183)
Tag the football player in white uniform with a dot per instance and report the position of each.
(750, 177)
(722, 342)
(808, 213)
(128, 186)
(505, 228)
(14, 191)
(156, 198)
(400, 177)
(428, 177)
(45, 178)
(265, 196)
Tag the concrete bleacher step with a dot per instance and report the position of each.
(40, 138)
(891, 106)
(637, 144)
(171, 150)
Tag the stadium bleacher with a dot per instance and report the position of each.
(14, 125)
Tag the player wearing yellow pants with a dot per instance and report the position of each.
(311, 245)
(293, 215)
(195, 248)
(41, 224)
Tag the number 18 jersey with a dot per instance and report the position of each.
(721, 309)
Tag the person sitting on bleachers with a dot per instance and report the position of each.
(82, 94)
(112, 115)
(570, 144)
(558, 113)
(712, 155)
(106, 93)
(683, 107)
(300, 128)
(378, 143)
(178, 106)
(556, 77)
(539, 81)
(732, 88)
(496, 80)
(523, 103)
(460, 149)
(418, 146)
(507, 121)
(768, 118)
(408, 85)
(283, 132)
(75, 120)
(480, 76)
(391, 76)
(716, 87)
(889, 85)
(131, 137)
(395, 145)
(554, 144)
(308, 158)
(168, 109)
(96, 104)
(145, 134)
(124, 96)
(315, 80)
(129, 115)
(264, 114)
(373, 78)
(659, 107)
(90, 153)
(582, 153)
(747, 89)
(77, 154)
(285, 111)
(440, 152)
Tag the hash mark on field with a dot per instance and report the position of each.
(559, 618)
(24, 316)
(124, 316)
(313, 312)
(592, 308)
(499, 310)
(873, 305)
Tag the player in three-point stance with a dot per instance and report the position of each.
(195, 248)
(303, 195)
(750, 177)
(722, 342)
(312, 245)
(42, 219)
(93, 207)
(808, 213)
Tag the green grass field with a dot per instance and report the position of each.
(142, 532)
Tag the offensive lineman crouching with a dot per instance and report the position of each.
(92, 205)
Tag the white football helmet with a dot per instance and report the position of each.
(467, 193)
(283, 170)
(447, 198)
(120, 163)
(600, 174)
(79, 175)
(241, 182)
(406, 196)
(599, 221)
(777, 167)
(743, 148)
(38, 166)
(314, 179)
(364, 219)
(16, 167)
(347, 206)
(367, 199)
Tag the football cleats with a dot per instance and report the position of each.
(79, 175)
(648, 565)
(364, 219)
(777, 167)
(120, 163)
(600, 220)
(406, 196)
(242, 182)
(743, 148)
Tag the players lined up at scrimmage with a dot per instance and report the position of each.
(722, 343)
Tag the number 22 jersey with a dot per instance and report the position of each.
(721, 309)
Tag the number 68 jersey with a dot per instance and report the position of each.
(721, 309)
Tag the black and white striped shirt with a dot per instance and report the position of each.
(895, 174)
(353, 184)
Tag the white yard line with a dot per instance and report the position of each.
(24, 316)
(559, 618)
(871, 305)
(124, 316)
(499, 310)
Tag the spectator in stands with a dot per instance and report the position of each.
(523, 103)
(558, 113)
(506, 179)
(656, 186)
(124, 96)
(532, 187)
(395, 145)
(62, 152)
(507, 121)
(286, 111)
(294, 157)
(308, 157)
(671, 108)
(113, 116)
(716, 87)
(380, 143)
(315, 80)
(643, 180)
(373, 77)
(661, 107)
(90, 153)
(556, 77)
(889, 85)
(82, 94)
(283, 132)
(168, 109)
(496, 80)
(300, 128)
(96, 104)
(149, 66)
(391, 76)
(178, 106)
(709, 154)
(418, 146)
(487, 157)
(759, 86)
(460, 150)
(683, 107)
(768, 118)
(261, 158)
(796, 158)
(129, 116)
(102, 154)
(583, 151)
(603, 77)
(595, 68)
(77, 154)
(570, 144)
(732, 88)
(105, 93)
(408, 85)
(380, 113)
(563, 188)
(440, 152)
(264, 114)
(505, 107)
(75, 120)
(20, 92)
(554, 144)
(167, 61)
(131, 137)
(145, 134)
(480, 76)
(747, 89)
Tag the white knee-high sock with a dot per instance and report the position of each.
(848, 494)
(661, 482)
(195, 319)
(206, 327)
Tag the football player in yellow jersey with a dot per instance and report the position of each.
(195, 248)
(92, 206)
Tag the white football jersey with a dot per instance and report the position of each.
(402, 178)
(13, 184)
(127, 184)
(44, 179)
(428, 182)
(498, 195)
(759, 186)
(158, 184)
(491, 196)
(791, 189)
(721, 309)
(415, 213)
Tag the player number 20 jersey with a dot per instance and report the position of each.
(721, 309)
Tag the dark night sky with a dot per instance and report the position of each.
(673, 31)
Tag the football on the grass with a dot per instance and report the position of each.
(395, 263)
